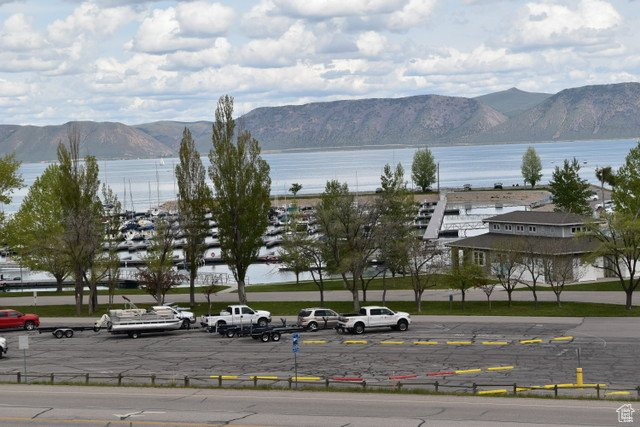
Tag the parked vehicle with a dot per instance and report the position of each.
(467, 187)
(316, 318)
(237, 315)
(15, 319)
(187, 317)
(3, 347)
(263, 333)
(373, 317)
(133, 321)
(497, 186)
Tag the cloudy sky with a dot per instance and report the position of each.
(140, 61)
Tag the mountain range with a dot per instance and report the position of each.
(589, 112)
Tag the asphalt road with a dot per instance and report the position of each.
(608, 354)
(66, 405)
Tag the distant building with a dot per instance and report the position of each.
(534, 235)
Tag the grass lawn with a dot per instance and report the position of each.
(119, 291)
(475, 308)
(337, 285)
(599, 286)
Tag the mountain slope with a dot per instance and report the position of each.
(513, 101)
(169, 133)
(414, 120)
(589, 112)
(101, 139)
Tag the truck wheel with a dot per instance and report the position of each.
(275, 336)
(220, 324)
(264, 337)
(58, 333)
(312, 326)
(230, 333)
(402, 325)
(68, 333)
(262, 322)
(134, 335)
(185, 324)
(358, 329)
(29, 325)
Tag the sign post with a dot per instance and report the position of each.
(35, 298)
(23, 344)
(295, 348)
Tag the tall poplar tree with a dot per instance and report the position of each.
(242, 188)
(531, 167)
(569, 192)
(194, 200)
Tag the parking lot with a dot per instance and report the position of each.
(454, 353)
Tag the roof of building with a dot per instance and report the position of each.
(540, 218)
(527, 244)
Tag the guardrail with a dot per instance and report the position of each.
(397, 383)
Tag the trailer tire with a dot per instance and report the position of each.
(68, 333)
(96, 328)
(265, 337)
(134, 335)
(275, 336)
(358, 328)
(58, 333)
(262, 322)
(230, 334)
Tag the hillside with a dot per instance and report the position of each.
(415, 120)
(513, 101)
(589, 112)
(101, 139)
(169, 133)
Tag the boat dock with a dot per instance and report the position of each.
(433, 228)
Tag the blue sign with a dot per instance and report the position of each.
(295, 339)
(295, 349)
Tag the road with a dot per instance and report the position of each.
(609, 297)
(73, 406)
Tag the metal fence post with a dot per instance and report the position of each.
(326, 382)
(186, 380)
(437, 385)
(598, 391)
(19, 378)
(399, 385)
(51, 377)
(219, 380)
(555, 390)
(364, 385)
(120, 378)
(290, 382)
(86, 378)
(153, 379)
(515, 388)
(475, 388)
(255, 381)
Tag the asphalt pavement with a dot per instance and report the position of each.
(68, 405)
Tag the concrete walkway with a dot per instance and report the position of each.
(609, 297)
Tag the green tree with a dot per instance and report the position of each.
(295, 187)
(626, 193)
(423, 169)
(466, 276)
(158, 275)
(111, 260)
(242, 187)
(606, 176)
(77, 190)
(569, 192)
(35, 231)
(194, 200)
(292, 251)
(531, 167)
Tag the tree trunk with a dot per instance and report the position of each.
(355, 296)
(192, 286)
(463, 291)
(558, 299)
(79, 291)
(509, 296)
(535, 296)
(384, 287)
(93, 297)
(628, 303)
(242, 295)
(59, 282)
(418, 299)
(321, 297)
(297, 278)
(489, 301)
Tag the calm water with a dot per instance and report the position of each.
(151, 180)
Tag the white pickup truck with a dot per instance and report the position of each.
(3, 347)
(237, 315)
(372, 318)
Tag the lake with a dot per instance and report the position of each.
(149, 181)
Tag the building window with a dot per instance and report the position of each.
(496, 226)
(507, 227)
(519, 227)
(478, 258)
(575, 230)
(532, 228)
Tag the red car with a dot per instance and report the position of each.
(15, 319)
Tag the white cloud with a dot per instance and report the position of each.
(215, 55)
(200, 18)
(589, 22)
(263, 21)
(18, 34)
(13, 89)
(335, 8)
(294, 45)
(371, 43)
(415, 12)
(160, 33)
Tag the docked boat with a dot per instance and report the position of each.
(133, 321)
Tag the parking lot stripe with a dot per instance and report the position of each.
(562, 339)
(355, 342)
(226, 377)
(347, 379)
(495, 342)
(459, 342)
(468, 371)
(618, 393)
(497, 391)
(314, 341)
(530, 341)
(402, 377)
(265, 377)
(391, 342)
(500, 368)
(425, 342)
(433, 374)
(306, 378)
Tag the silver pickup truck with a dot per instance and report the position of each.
(372, 318)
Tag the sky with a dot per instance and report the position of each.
(142, 61)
